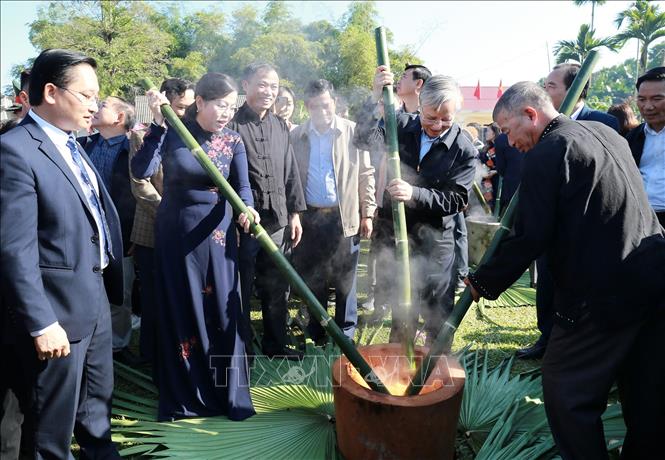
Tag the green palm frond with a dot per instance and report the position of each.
(644, 22)
(487, 392)
(293, 420)
(579, 49)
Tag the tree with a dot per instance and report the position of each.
(615, 84)
(645, 23)
(197, 38)
(119, 35)
(579, 49)
(593, 7)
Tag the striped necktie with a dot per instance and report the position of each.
(93, 199)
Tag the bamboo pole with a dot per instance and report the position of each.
(481, 198)
(399, 217)
(315, 308)
(445, 335)
(497, 198)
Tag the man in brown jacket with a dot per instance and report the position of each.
(338, 181)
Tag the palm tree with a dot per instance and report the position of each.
(578, 49)
(593, 6)
(645, 22)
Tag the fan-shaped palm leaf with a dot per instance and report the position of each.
(293, 420)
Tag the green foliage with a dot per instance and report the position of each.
(645, 22)
(119, 35)
(579, 49)
(135, 39)
(615, 84)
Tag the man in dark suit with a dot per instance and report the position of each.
(61, 264)
(607, 257)
(647, 141)
(557, 84)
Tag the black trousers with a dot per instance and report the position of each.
(11, 417)
(327, 259)
(579, 368)
(544, 300)
(272, 288)
(71, 394)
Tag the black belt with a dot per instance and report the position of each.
(328, 210)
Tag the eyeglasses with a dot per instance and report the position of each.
(84, 99)
(225, 108)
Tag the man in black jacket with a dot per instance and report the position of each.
(437, 166)
(647, 141)
(278, 197)
(581, 201)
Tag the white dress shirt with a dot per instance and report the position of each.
(652, 167)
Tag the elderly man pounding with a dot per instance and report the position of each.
(437, 166)
(581, 202)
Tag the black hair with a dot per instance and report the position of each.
(655, 74)
(255, 67)
(317, 87)
(52, 66)
(25, 79)
(286, 89)
(624, 113)
(570, 71)
(7, 125)
(420, 72)
(174, 87)
(213, 85)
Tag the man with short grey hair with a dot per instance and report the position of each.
(437, 166)
(582, 203)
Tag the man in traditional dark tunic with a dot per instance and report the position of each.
(278, 197)
(581, 201)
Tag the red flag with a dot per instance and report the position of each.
(476, 93)
(499, 92)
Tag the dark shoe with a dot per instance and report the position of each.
(535, 351)
(128, 358)
(286, 353)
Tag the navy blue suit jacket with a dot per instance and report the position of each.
(596, 115)
(49, 241)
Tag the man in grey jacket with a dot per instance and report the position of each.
(338, 181)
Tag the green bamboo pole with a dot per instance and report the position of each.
(445, 335)
(399, 218)
(497, 198)
(481, 198)
(315, 308)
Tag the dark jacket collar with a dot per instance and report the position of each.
(246, 114)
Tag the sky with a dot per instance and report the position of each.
(470, 40)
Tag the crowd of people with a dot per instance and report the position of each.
(93, 226)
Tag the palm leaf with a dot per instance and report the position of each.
(487, 392)
(292, 421)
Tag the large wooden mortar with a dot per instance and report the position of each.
(372, 425)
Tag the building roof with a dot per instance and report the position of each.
(487, 99)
